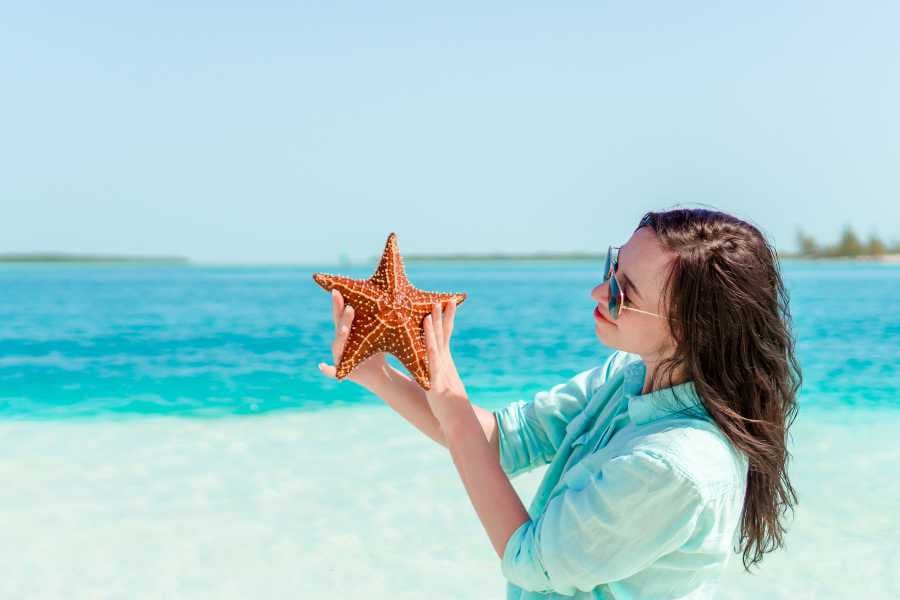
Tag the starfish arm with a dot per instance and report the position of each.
(422, 301)
(358, 293)
(362, 342)
(345, 285)
(407, 344)
(390, 274)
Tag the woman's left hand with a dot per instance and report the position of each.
(447, 396)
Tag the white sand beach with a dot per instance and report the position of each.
(355, 503)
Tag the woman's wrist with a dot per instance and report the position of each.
(372, 376)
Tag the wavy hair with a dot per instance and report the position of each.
(728, 314)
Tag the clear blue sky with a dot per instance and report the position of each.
(273, 132)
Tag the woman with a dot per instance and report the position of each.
(661, 460)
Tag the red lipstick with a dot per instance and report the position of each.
(599, 316)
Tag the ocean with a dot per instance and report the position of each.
(168, 434)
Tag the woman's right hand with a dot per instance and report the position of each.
(366, 372)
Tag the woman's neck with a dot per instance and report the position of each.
(652, 366)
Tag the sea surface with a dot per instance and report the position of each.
(167, 433)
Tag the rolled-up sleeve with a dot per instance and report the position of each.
(622, 516)
(530, 433)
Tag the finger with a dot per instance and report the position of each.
(343, 331)
(428, 327)
(328, 370)
(449, 315)
(337, 305)
(347, 314)
(347, 320)
(437, 322)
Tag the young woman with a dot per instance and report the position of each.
(664, 460)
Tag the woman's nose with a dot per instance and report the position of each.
(600, 293)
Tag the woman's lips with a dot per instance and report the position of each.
(599, 316)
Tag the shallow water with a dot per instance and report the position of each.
(355, 503)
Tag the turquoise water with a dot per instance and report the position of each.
(122, 341)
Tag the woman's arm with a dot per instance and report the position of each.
(478, 463)
(492, 495)
(406, 397)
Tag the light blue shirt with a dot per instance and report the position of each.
(642, 497)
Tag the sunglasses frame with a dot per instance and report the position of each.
(616, 294)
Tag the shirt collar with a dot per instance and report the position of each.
(643, 408)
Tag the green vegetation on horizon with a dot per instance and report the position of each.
(848, 246)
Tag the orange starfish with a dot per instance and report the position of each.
(388, 315)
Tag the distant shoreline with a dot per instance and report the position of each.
(52, 257)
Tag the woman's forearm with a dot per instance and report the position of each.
(406, 397)
(492, 495)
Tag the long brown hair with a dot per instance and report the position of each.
(729, 317)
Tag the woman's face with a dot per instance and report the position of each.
(643, 265)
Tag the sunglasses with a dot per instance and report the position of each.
(616, 295)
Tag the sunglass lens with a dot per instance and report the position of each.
(614, 298)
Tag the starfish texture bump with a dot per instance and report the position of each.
(388, 316)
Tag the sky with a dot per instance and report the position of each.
(272, 132)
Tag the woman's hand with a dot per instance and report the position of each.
(367, 371)
(447, 396)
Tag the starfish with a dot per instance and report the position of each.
(388, 316)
